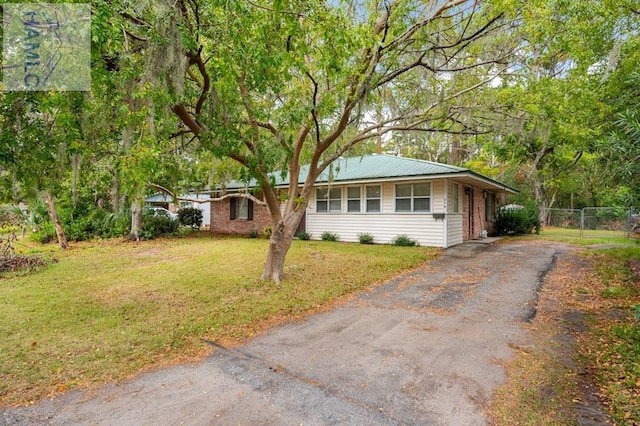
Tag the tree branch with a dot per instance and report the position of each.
(181, 111)
(417, 26)
(196, 58)
(207, 200)
(315, 105)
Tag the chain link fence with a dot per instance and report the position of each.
(594, 222)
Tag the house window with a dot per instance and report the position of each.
(240, 208)
(456, 198)
(353, 199)
(373, 199)
(413, 197)
(328, 200)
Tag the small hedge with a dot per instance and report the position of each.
(305, 236)
(365, 238)
(404, 241)
(329, 236)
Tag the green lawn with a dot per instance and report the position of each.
(107, 310)
(588, 237)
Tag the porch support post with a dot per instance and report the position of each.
(446, 214)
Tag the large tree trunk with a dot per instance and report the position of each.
(279, 244)
(540, 196)
(136, 218)
(53, 214)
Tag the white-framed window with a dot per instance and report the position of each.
(456, 198)
(353, 199)
(328, 200)
(413, 197)
(374, 199)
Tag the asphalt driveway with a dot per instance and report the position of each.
(423, 349)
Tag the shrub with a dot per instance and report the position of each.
(365, 238)
(517, 221)
(190, 216)
(154, 226)
(254, 233)
(113, 225)
(305, 236)
(266, 232)
(80, 229)
(44, 234)
(97, 223)
(329, 236)
(404, 241)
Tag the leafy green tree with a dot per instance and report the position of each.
(274, 85)
(42, 134)
(554, 107)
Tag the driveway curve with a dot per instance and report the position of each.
(425, 348)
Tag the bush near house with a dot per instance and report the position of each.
(404, 241)
(518, 221)
(329, 236)
(365, 238)
(190, 216)
(154, 226)
(304, 236)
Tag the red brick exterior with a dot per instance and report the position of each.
(479, 222)
(222, 224)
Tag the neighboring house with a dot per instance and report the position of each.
(385, 196)
(166, 201)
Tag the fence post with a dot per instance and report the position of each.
(581, 223)
(628, 235)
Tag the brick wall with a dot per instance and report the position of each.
(221, 224)
(478, 218)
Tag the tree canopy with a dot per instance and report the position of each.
(538, 93)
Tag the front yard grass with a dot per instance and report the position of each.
(588, 237)
(108, 310)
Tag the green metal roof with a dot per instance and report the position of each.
(380, 167)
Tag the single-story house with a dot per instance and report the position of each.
(384, 196)
(166, 201)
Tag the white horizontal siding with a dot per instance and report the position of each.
(383, 226)
(437, 196)
(454, 229)
(386, 225)
(388, 200)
